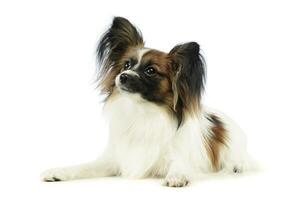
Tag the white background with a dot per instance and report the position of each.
(50, 113)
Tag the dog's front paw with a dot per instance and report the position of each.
(176, 181)
(57, 174)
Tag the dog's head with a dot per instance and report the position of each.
(175, 79)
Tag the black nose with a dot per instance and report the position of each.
(123, 78)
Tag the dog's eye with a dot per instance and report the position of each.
(127, 65)
(150, 71)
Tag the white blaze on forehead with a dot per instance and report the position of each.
(141, 52)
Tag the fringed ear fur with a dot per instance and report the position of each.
(121, 36)
(189, 78)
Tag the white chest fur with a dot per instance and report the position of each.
(140, 135)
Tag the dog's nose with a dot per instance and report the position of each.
(123, 78)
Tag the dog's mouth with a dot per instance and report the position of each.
(125, 89)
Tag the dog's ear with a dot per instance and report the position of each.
(188, 81)
(113, 44)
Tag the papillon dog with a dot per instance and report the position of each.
(157, 124)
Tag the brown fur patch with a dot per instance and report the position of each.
(216, 141)
(159, 59)
(176, 92)
(162, 63)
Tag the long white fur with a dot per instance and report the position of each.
(144, 141)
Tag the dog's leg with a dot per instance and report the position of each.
(98, 168)
(179, 171)
(181, 166)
